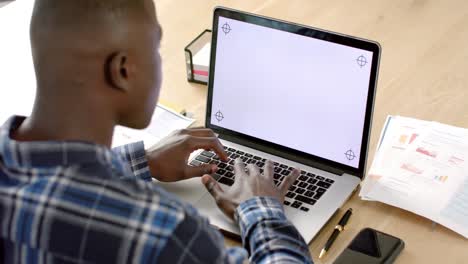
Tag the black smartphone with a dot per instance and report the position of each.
(371, 247)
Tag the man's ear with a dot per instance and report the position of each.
(117, 71)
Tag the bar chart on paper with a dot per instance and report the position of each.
(441, 179)
(411, 168)
(407, 139)
(420, 167)
(427, 152)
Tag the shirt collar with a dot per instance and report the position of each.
(50, 154)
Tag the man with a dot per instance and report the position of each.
(66, 197)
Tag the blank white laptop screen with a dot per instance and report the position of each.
(300, 92)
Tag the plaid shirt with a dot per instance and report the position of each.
(75, 202)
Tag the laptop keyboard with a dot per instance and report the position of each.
(303, 194)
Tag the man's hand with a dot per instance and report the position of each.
(168, 159)
(248, 185)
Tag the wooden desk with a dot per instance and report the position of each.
(423, 74)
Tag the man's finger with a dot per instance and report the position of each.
(289, 180)
(208, 143)
(212, 186)
(198, 171)
(253, 169)
(239, 167)
(268, 170)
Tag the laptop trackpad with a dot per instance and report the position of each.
(190, 191)
(208, 208)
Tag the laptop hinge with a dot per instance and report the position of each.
(282, 154)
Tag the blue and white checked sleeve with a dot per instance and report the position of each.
(134, 154)
(267, 235)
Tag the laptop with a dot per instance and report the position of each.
(299, 96)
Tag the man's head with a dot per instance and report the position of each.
(98, 55)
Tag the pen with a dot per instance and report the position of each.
(336, 232)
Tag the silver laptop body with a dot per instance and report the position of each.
(299, 96)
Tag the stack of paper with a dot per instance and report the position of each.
(422, 167)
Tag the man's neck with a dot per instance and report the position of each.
(53, 123)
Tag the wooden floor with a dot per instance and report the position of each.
(423, 74)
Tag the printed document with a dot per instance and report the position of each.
(164, 122)
(422, 167)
